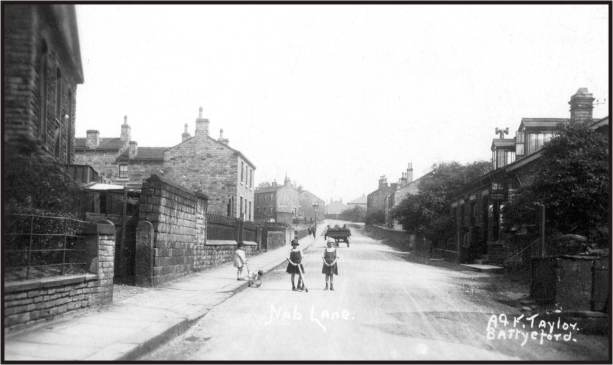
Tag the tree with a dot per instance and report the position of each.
(427, 212)
(376, 217)
(572, 181)
(355, 214)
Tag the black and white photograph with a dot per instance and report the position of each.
(306, 182)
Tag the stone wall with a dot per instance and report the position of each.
(102, 161)
(400, 239)
(216, 254)
(28, 32)
(30, 301)
(175, 247)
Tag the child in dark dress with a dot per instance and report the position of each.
(330, 267)
(295, 259)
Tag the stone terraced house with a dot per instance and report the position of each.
(200, 163)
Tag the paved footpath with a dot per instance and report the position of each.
(129, 328)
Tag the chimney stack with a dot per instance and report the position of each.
(133, 150)
(221, 139)
(202, 125)
(125, 130)
(581, 106)
(382, 182)
(403, 179)
(93, 139)
(409, 175)
(185, 134)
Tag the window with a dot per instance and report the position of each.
(42, 84)
(58, 96)
(241, 207)
(242, 171)
(536, 141)
(249, 211)
(519, 143)
(251, 181)
(69, 127)
(123, 171)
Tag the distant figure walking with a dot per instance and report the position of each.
(330, 267)
(295, 259)
(314, 231)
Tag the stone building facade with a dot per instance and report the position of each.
(199, 163)
(225, 175)
(306, 210)
(335, 208)
(42, 68)
(277, 203)
(479, 232)
(376, 201)
(102, 153)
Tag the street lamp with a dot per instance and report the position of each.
(315, 206)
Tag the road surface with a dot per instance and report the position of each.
(384, 308)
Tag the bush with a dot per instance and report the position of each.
(377, 217)
(572, 181)
(355, 214)
(35, 183)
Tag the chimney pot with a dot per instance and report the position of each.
(581, 106)
(125, 130)
(202, 125)
(93, 138)
(185, 134)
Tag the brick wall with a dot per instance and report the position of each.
(29, 29)
(177, 218)
(30, 301)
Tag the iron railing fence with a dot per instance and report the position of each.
(37, 246)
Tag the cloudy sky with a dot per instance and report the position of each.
(336, 96)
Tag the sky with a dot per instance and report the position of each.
(334, 96)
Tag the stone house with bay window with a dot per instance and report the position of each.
(477, 210)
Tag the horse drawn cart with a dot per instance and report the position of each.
(338, 234)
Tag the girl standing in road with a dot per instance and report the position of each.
(293, 268)
(330, 267)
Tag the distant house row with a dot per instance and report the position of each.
(287, 203)
(476, 211)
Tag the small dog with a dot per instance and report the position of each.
(254, 279)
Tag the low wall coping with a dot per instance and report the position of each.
(24, 285)
(228, 243)
(104, 227)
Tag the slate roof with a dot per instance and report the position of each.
(106, 144)
(144, 154)
(542, 122)
(507, 142)
(267, 189)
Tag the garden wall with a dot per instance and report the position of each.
(171, 232)
(34, 300)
